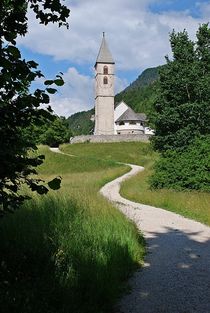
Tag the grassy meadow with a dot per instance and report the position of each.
(71, 250)
(192, 204)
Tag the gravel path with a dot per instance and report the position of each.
(176, 274)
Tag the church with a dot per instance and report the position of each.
(111, 119)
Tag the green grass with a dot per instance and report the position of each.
(191, 204)
(69, 251)
(128, 152)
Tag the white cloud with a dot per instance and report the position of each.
(77, 94)
(204, 7)
(138, 39)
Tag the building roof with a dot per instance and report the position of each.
(104, 55)
(130, 115)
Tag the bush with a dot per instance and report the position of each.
(55, 133)
(189, 169)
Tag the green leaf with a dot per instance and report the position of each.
(33, 64)
(42, 190)
(49, 82)
(59, 82)
(51, 90)
(41, 157)
(55, 183)
(14, 51)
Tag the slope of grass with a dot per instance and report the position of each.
(192, 204)
(128, 152)
(68, 251)
(71, 250)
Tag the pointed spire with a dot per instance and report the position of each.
(104, 55)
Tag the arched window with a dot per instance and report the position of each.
(105, 70)
(121, 123)
(105, 80)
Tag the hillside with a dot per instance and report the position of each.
(80, 123)
(139, 95)
(145, 79)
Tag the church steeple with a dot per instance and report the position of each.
(104, 91)
(104, 55)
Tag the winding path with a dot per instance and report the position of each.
(176, 274)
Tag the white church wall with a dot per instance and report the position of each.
(128, 128)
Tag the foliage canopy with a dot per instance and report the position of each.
(183, 114)
(19, 108)
(182, 104)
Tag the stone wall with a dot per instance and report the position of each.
(109, 138)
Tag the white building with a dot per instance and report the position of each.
(127, 121)
(109, 120)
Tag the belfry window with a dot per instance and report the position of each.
(105, 80)
(105, 70)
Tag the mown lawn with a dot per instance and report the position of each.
(69, 251)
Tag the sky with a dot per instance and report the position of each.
(137, 32)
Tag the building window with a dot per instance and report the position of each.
(132, 123)
(105, 80)
(121, 123)
(105, 70)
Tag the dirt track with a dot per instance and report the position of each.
(176, 273)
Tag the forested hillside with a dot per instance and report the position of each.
(140, 96)
(80, 123)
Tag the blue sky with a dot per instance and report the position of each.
(192, 6)
(137, 33)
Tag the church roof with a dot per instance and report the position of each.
(104, 55)
(130, 115)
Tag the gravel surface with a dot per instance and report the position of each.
(176, 274)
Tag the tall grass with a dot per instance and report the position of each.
(71, 250)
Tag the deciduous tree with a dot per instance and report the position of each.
(183, 111)
(18, 106)
(183, 114)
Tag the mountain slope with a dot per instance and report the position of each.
(80, 123)
(140, 95)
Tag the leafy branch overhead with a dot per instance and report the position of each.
(19, 107)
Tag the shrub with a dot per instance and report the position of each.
(188, 169)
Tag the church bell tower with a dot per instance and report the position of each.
(104, 91)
